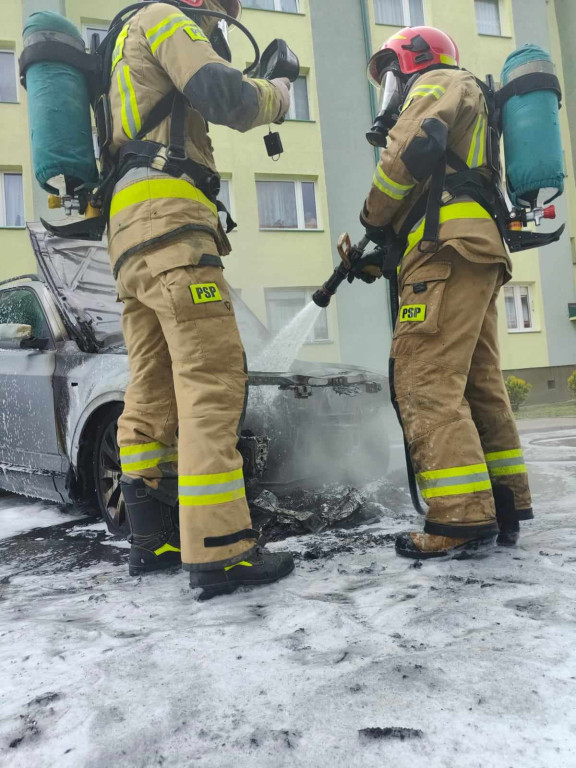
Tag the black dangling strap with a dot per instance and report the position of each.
(230, 223)
(233, 538)
(177, 146)
(430, 242)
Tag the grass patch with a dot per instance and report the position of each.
(547, 411)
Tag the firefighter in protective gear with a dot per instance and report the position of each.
(185, 402)
(445, 367)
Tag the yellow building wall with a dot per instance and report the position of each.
(16, 255)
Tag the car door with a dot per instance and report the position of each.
(28, 432)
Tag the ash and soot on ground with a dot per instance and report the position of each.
(359, 658)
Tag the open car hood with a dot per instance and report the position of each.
(79, 274)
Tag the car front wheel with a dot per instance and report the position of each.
(107, 472)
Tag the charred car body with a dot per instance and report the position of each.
(62, 390)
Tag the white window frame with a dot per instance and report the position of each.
(490, 34)
(518, 306)
(94, 27)
(3, 224)
(291, 114)
(16, 79)
(278, 7)
(308, 293)
(407, 22)
(232, 209)
(299, 207)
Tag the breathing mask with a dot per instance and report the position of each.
(391, 98)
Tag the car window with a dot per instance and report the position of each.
(22, 306)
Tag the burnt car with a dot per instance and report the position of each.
(64, 372)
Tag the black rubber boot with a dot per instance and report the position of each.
(443, 547)
(155, 536)
(508, 520)
(261, 567)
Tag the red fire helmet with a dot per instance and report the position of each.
(415, 49)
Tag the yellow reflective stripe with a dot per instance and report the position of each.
(448, 213)
(131, 122)
(119, 47)
(482, 142)
(171, 24)
(513, 469)
(476, 153)
(221, 477)
(244, 563)
(130, 450)
(450, 60)
(157, 189)
(495, 456)
(427, 90)
(212, 498)
(390, 187)
(165, 548)
(436, 474)
(136, 466)
(456, 490)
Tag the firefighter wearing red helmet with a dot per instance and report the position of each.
(182, 473)
(435, 125)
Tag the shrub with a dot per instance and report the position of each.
(572, 383)
(518, 391)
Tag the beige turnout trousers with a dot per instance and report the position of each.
(451, 396)
(187, 394)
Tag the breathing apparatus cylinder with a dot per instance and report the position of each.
(58, 105)
(531, 126)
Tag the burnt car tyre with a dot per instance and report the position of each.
(106, 473)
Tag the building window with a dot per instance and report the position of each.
(225, 197)
(287, 6)
(299, 104)
(287, 204)
(399, 13)
(282, 306)
(519, 314)
(8, 81)
(91, 30)
(11, 200)
(488, 17)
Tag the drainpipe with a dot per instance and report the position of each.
(368, 49)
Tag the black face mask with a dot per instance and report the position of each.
(392, 95)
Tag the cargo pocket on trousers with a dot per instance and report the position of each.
(422, 299)
(197, 293)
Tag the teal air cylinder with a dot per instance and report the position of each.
(531, 131)
(58, 107)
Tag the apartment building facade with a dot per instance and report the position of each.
(290, 212)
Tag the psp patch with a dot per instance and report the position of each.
(202, 293)
(413, 313)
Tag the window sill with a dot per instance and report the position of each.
(10, 102)
(283, 229)
(273, 10)
(297, 120)
(319, 343)
(523, 330)
(498, 37)
(2, 227)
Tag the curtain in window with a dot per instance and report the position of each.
(416, 13)
(309, 203)
(277, 204)
(13, 200)
(263, 5)
(300, 98)
(283, 306)
(511, 318)
(525, 304)
(389, 12)
(488, 17)
(8, 87)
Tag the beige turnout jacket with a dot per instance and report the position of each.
(158, 50)
(454, 98)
